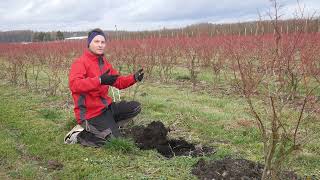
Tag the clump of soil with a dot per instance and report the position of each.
(227, 169)
(154, 136)
(54, 165)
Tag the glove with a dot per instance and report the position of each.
(108, 79)
(138, 76)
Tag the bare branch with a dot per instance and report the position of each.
(300, 116)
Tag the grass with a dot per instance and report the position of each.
(33, 126)
(120, 144)
(34, 140)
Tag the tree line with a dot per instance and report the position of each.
(30, 36)
(308, 25)
(209, 29)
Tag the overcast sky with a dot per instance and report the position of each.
(82, 15)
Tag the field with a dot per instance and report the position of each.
(33, 127)
(226, 92)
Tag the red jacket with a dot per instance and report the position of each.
(89, 96)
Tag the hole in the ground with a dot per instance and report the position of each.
(154, 136)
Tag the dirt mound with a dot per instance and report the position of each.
(227, 169)
(154, 136)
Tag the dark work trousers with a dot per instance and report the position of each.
(97, 129)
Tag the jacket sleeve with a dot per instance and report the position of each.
(78, 82)
(123, 81)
